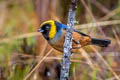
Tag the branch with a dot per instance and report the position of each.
(68, 42)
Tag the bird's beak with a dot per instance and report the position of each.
(40, 30)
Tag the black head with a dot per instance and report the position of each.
(45, 29)
(51, 28)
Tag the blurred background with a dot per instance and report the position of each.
(22, 48)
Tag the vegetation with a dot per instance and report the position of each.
(23, 50)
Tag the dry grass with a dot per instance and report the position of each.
(19, 20)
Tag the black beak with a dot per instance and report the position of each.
(40, 30)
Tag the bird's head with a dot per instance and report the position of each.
(50, 28)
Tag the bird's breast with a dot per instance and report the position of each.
(58, 41)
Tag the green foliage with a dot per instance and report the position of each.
(18, 73)
(94, 74)
(18, 18)
(85, 75)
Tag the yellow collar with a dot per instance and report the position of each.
(52, 31)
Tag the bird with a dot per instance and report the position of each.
(54, 32)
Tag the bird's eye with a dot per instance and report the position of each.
(47, 27)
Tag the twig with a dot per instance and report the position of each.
(37, 66)
(68, 42)
(93, 17)
(100, 6)
(109, 67)
(89, 61)
(116, 36)
(6, 40)
(112, 78)
(110, 14)
(102, 23)
(74, 73)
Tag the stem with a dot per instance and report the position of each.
(68, 42)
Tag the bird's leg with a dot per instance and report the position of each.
(78, 45)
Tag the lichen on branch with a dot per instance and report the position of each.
(68, 42)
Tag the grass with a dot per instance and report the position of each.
(19, 23)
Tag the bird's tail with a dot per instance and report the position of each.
(100, 42)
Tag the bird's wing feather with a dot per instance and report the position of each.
(80, 32)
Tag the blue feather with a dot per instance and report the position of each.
(60, 26)
(64, 26)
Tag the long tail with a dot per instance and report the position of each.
(100, 42)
